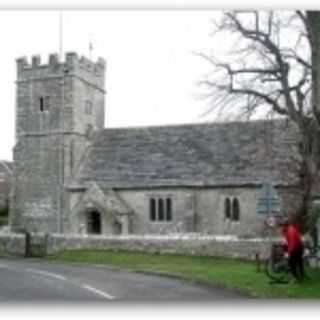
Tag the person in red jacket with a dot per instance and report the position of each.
(294, 246)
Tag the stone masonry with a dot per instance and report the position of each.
(52, 132)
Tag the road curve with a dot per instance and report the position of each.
(28, 280)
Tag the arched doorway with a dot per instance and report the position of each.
(93, 222)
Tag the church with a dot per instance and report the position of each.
(71, 175)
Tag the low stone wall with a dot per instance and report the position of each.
(187, 245)
(12, 244)
(201, 245)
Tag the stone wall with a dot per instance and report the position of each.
(139, 202)
(199, 210)
(210, 208)
(12, 244)
(175, 244)
(204, 207)
(185, 244)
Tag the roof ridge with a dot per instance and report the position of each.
(196, 124)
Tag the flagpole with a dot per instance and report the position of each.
(90, 47)
(60, 34)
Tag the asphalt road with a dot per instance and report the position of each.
(28, 280)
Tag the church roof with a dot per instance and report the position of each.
(211, 154)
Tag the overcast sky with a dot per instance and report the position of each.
(152, 71)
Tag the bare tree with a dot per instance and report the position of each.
(311, 21)
(272, 67)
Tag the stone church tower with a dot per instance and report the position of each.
(58, 106)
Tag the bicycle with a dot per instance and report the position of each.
(277, 267)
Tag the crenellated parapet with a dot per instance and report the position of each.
(73, 65)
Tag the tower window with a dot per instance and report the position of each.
(41, 101)
(71, 156)
(88, 107)
(44, 103)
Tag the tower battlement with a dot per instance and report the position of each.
(73, 65)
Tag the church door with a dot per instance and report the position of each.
(94, 222)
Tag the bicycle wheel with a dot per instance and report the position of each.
(277, 271)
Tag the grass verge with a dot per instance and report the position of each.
(229, 273)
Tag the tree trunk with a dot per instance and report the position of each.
(313, 20)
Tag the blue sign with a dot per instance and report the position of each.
(268, 200)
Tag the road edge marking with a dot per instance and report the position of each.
(46, 273)
(97, 291)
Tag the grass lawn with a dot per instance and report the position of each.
(229, 273)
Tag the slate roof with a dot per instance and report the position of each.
(212, 154)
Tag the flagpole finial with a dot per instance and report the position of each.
(90, 49)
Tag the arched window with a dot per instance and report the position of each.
(152, 209)
(44, 103)
(41, 104)
(161, 210)
(169, 209)
(71, 156)
(227, 208)
(88, 107)
(235, 210)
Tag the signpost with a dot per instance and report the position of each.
(268, 201)
(269, 204)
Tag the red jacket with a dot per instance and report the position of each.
(293, 238)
